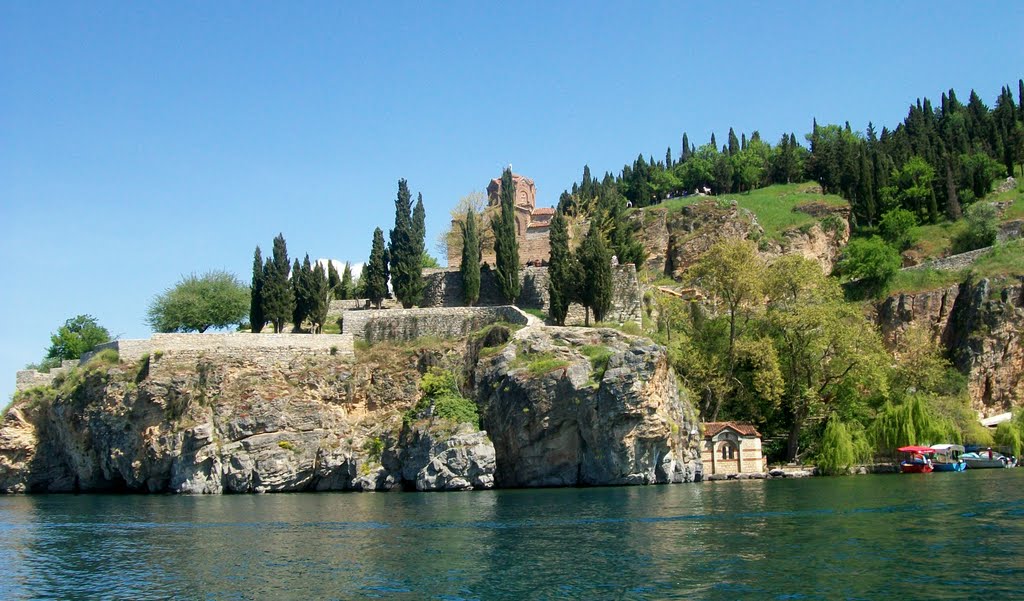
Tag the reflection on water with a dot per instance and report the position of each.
(930, 536)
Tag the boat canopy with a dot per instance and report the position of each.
(916, 449)
(949, 447)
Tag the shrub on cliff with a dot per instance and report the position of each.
(215, 299)
(441, 393)
(872, 261)
(78, 335)
(982, 228)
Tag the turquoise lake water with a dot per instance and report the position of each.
(930, 536)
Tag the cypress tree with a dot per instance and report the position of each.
(1020, 98)
(713, 143)
(596, 265)
(375, 273)
(345, 289)
(470, 268)
(560, 280)
(256, 319)
(506, 247)
(734, 143)
(406, 248)
(319, 297)
(333, 280)
(668, 158)
(952, 202)
(300, 308)
(686, 149)
(278, 296)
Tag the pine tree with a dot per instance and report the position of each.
(596, 266)
(278, 296)
(256, 319)
(333, 280)
(406, 249)
(345, 290)
(506, 247)
(375, 272)
(561, 282)
(470, 268)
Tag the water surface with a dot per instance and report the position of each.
(929, 536)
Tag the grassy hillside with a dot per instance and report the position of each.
(1005, 260)
(774, 206)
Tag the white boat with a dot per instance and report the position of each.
(948, 458)
(986, 459)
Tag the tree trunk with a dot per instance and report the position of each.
(586, 316)
(793, 445)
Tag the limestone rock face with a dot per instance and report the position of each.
(228, 426)
(676, 239)
(558, 417)
(439, 461)
(981, 326)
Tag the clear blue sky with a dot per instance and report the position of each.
(143, 141)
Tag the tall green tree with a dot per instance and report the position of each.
(595, 259)
(278, 296)
(303, 287)
(346, 289)
(319, 298)
(375, 272)
(470, 267)
(333, 280)
(506, 247)
(256, 318)
(561, 275)
(406, 248)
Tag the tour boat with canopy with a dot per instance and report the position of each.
(918, 462)
(947, 458)
(985, 459)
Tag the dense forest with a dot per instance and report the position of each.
(935, 163)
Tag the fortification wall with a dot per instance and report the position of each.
(410, 324)
(952, 262)
(444, 289)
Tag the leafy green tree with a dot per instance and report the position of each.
(407, 248)
(596, 266)
(375, 272)
(470, 266)
(78, 335)
(982, 228)
(429, 262)
(840, 450)
(506, 247)
(915, 192)
(870, 260)
(215, 299)
(896, 226)
(561, 275)
(278, 296)
(346, 290)
(256, 319)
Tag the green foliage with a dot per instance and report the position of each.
(872, 261)
(911, 422)
(543, 364)
(374, 448)
(982, 226)
(561, 270)
(599, 356)
(407, 248)
(841, 449)
(215, 299)
(333, 280)
(346, 289)
(595, 258)
(506, 246)
(256, 319)
(440, 391)
(896, 228)
(1008, 435)
(375, 272)
(470, 266)
(78, 335)
(288, 446)
(278, 295)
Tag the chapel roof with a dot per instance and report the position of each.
(713, 428)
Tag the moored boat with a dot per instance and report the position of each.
(986, 459)
(918, 461)
(948, 458)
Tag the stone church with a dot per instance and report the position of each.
(532, 224)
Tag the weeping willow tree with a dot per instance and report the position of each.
(911, 422)
(1008, 435)
(842, 446)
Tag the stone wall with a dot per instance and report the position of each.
(410, 324)
(952, 262)
(30, 378)
(235, 344)
(444, 289)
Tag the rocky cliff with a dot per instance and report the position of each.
(227, 425)
(981, 326)
(675, 239)
(574, 406)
